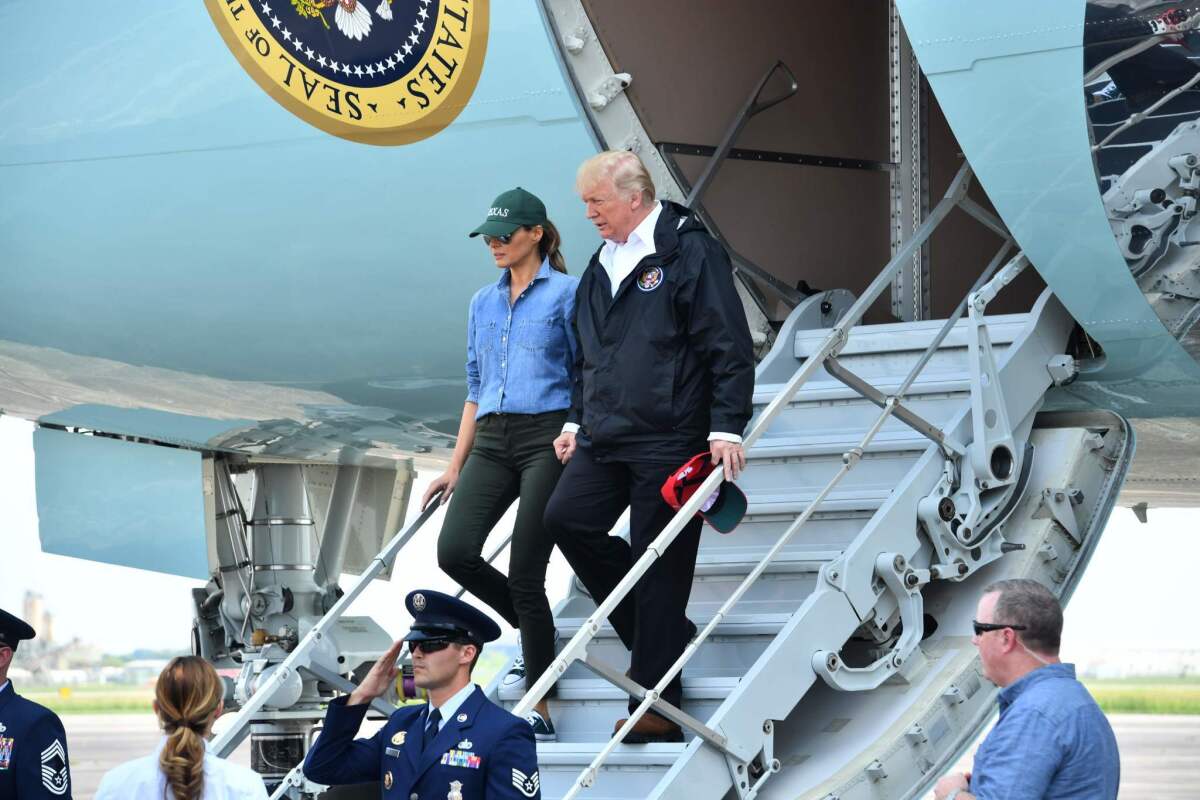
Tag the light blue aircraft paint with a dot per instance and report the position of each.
(159, 525)
(161, 210)
(1009, 78)
(173, 238)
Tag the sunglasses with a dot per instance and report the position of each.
(505, 239)
(428, 646)
(984, 627)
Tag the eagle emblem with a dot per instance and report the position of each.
(376, 71)
(650, 278)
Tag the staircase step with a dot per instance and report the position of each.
(761, 503)
(824, 532)
(741, 560)
(631, 771)
(910, 337)
(821, 388)
(598, 689)
(585, 710)
(792, 444)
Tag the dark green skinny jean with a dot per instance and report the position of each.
(512, 457)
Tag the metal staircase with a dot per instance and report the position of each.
(886, 463)
(893, 471)
(770, 636)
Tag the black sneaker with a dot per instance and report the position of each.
(516, 674)
(543, 729)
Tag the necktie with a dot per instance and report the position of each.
(431, 729)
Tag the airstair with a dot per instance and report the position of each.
(886, 464)
(893, 471)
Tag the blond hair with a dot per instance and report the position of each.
(186, 698)
(626, 171)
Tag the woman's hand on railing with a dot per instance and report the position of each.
(443, 483)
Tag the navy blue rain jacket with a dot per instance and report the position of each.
(669, 358)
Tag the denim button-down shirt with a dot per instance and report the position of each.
(520, 355)
(1051, 740)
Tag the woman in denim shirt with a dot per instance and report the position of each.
(520, 353)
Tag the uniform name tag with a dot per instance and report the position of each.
(392, 751)
(461, 758)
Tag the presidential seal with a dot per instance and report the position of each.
(650, 278)
(377, 71)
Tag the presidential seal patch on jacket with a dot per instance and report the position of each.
(375, 71)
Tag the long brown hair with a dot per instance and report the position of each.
(548, 247)
(186, 698)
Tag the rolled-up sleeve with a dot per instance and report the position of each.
(472, 358)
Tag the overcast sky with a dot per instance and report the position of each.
(1130, 596)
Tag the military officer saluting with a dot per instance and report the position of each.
(459, 746)
(33, 744)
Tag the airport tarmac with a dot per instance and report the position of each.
(1160, 755)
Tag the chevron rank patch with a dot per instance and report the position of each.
(54, 769)
(527, 785)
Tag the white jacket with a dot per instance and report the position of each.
(142, 779)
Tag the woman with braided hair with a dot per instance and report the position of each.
(188, 698)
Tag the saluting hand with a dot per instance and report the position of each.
(564, 446)
(379, 679)
(730, 456)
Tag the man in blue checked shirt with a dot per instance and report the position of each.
(459, 746)
(1051, 739)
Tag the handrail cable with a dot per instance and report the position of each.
(1138, 116)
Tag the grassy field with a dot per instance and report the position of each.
(99, 699)
(1125, 696)
(1147, 695)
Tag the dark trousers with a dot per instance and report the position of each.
(512, 457)
(651, 620)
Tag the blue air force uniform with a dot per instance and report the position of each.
(479, 751)
(33, 744)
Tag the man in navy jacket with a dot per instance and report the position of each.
(33, 744)
(459, 745)
(665, 371)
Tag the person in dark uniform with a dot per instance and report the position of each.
(33, 744)
(665, 371)
(458, 746)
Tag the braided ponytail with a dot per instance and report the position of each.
(186, 697)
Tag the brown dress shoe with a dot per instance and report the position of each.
(651, 728)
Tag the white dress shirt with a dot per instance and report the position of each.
(618, 260)
(143, 779)
(452, 705)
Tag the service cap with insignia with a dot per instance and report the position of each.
(440, 616)
(14, 630)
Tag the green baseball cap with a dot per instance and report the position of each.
(511, 210)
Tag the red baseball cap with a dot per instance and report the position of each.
(723, 510)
